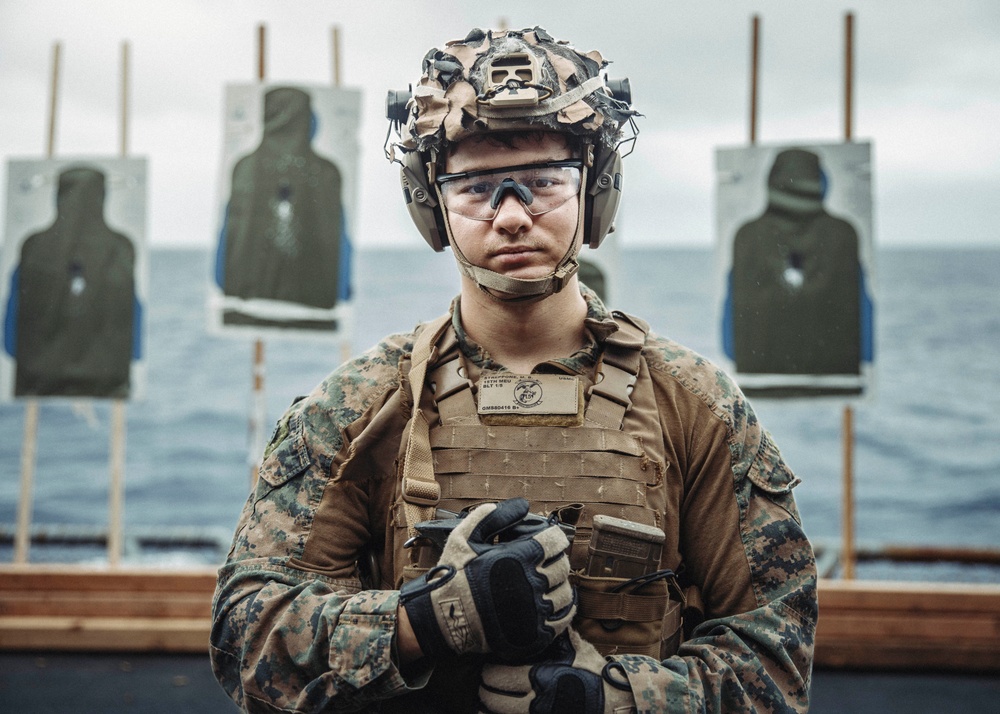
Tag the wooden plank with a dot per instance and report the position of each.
(885, 625)
(908, 626)
(919, 597)
(150, 605)
(104, 634)
(65, 608)
(931, 554)
(81, 579)
(909, 655)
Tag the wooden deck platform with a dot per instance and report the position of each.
(63, 608)
(863, 624)
(908, 626)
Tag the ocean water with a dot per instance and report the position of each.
(926, 447)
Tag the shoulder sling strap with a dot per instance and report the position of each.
(420, 491)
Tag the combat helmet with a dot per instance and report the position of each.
(511, 80)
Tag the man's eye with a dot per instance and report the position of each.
(480, 188)
(540, 183)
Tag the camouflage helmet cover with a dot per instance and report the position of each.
(473, 86)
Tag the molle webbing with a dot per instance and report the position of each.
(597, 464)
(554, 466)
(612, 463)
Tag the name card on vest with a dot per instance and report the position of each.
(530, 399)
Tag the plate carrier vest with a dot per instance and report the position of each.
(612, 464)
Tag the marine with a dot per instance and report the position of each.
(529, 396)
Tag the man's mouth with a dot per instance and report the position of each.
(514, 250)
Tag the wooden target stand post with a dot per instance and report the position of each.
(116, 487)
(850, 554)
(898, 626)
(258, 414)
(66, 607)
(847, 554)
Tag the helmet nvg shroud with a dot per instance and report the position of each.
(510, 81)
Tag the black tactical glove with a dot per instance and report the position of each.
(510, 598)
(571, 677)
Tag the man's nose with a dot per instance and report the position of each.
(512, 215)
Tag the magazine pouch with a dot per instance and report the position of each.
(629, 616)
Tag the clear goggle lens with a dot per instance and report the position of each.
(540, 188)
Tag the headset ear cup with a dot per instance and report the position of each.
(604, 191)
(421, 201)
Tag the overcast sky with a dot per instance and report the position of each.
(927, 94)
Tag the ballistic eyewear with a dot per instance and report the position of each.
(539, 187)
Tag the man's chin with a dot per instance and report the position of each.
(526, 272)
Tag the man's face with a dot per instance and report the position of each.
(514, 243)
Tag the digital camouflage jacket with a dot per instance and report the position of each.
(294, 630)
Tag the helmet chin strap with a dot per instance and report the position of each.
(523, 290)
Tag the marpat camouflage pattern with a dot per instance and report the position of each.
(294, 630)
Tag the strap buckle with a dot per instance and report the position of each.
(420, 492)
(616, 384)
(449, 378)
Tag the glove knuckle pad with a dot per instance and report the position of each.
(512, 593)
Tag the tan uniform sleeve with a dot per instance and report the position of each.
(744, 546)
